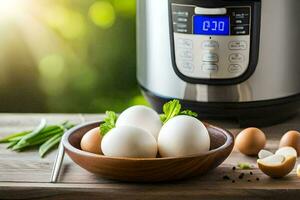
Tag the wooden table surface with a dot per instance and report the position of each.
(26, 176)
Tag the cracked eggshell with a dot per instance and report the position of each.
(264, 154)
(286, 151)
(142, 117)
(273, 160)
(274, 168)
(130, 142)
(183, 136)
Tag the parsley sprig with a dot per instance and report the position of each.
(109, 122)
(172, 109)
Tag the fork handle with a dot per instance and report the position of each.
(57, 163)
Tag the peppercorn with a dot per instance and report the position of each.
(226, 177)
(241, 176)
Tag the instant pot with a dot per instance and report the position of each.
(221, 58)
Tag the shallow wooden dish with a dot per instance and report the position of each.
(149, 170)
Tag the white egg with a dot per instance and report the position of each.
(128, 141)
(183, 136)
(141, 117)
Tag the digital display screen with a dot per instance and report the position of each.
(211, 25)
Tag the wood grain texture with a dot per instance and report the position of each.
(26, 176)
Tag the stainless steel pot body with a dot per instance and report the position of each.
(276, 75)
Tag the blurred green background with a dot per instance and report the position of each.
(67, 56)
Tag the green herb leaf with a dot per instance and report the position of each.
(189, 113)
(109, 122)
(244, 166)
(172, 109)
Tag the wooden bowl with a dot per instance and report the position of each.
(153, 169)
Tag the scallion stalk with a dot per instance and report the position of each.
(35, 132)
(46, 137)
(15, 135)
(49, 144)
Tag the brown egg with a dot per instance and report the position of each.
(291, 139)
(250, 141)
(91, 141)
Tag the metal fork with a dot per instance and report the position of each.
(59, 159)
(57, 163)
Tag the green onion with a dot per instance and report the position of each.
(12, 136)
(15, 139)
(11, 144)
(35, 132)
(45, 134)
(45, 137)
(49, 144)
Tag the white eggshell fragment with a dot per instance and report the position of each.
(264, 153)
(273, 160)
(130, 142)
(142, 117)
(287, 151)
(183, 136)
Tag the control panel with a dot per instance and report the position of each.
(211, 43)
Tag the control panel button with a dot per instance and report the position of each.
(181, 30)
(236, 58)
(181, 25)
(235, 68)
(239, 30)
(210, 44)
(210, 57)
(188, 66)
(182, 19)
(210, 11)
(210, 67)
(185, 44)
(244, 21)
(239, 13)
(238, 45)
(186, 54)
(181, 13)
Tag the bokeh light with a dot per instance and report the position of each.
(51, 66)
(69, 23)
(10, 9)
(65, 55)
(102, 13)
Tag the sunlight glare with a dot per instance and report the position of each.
(11, 8)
